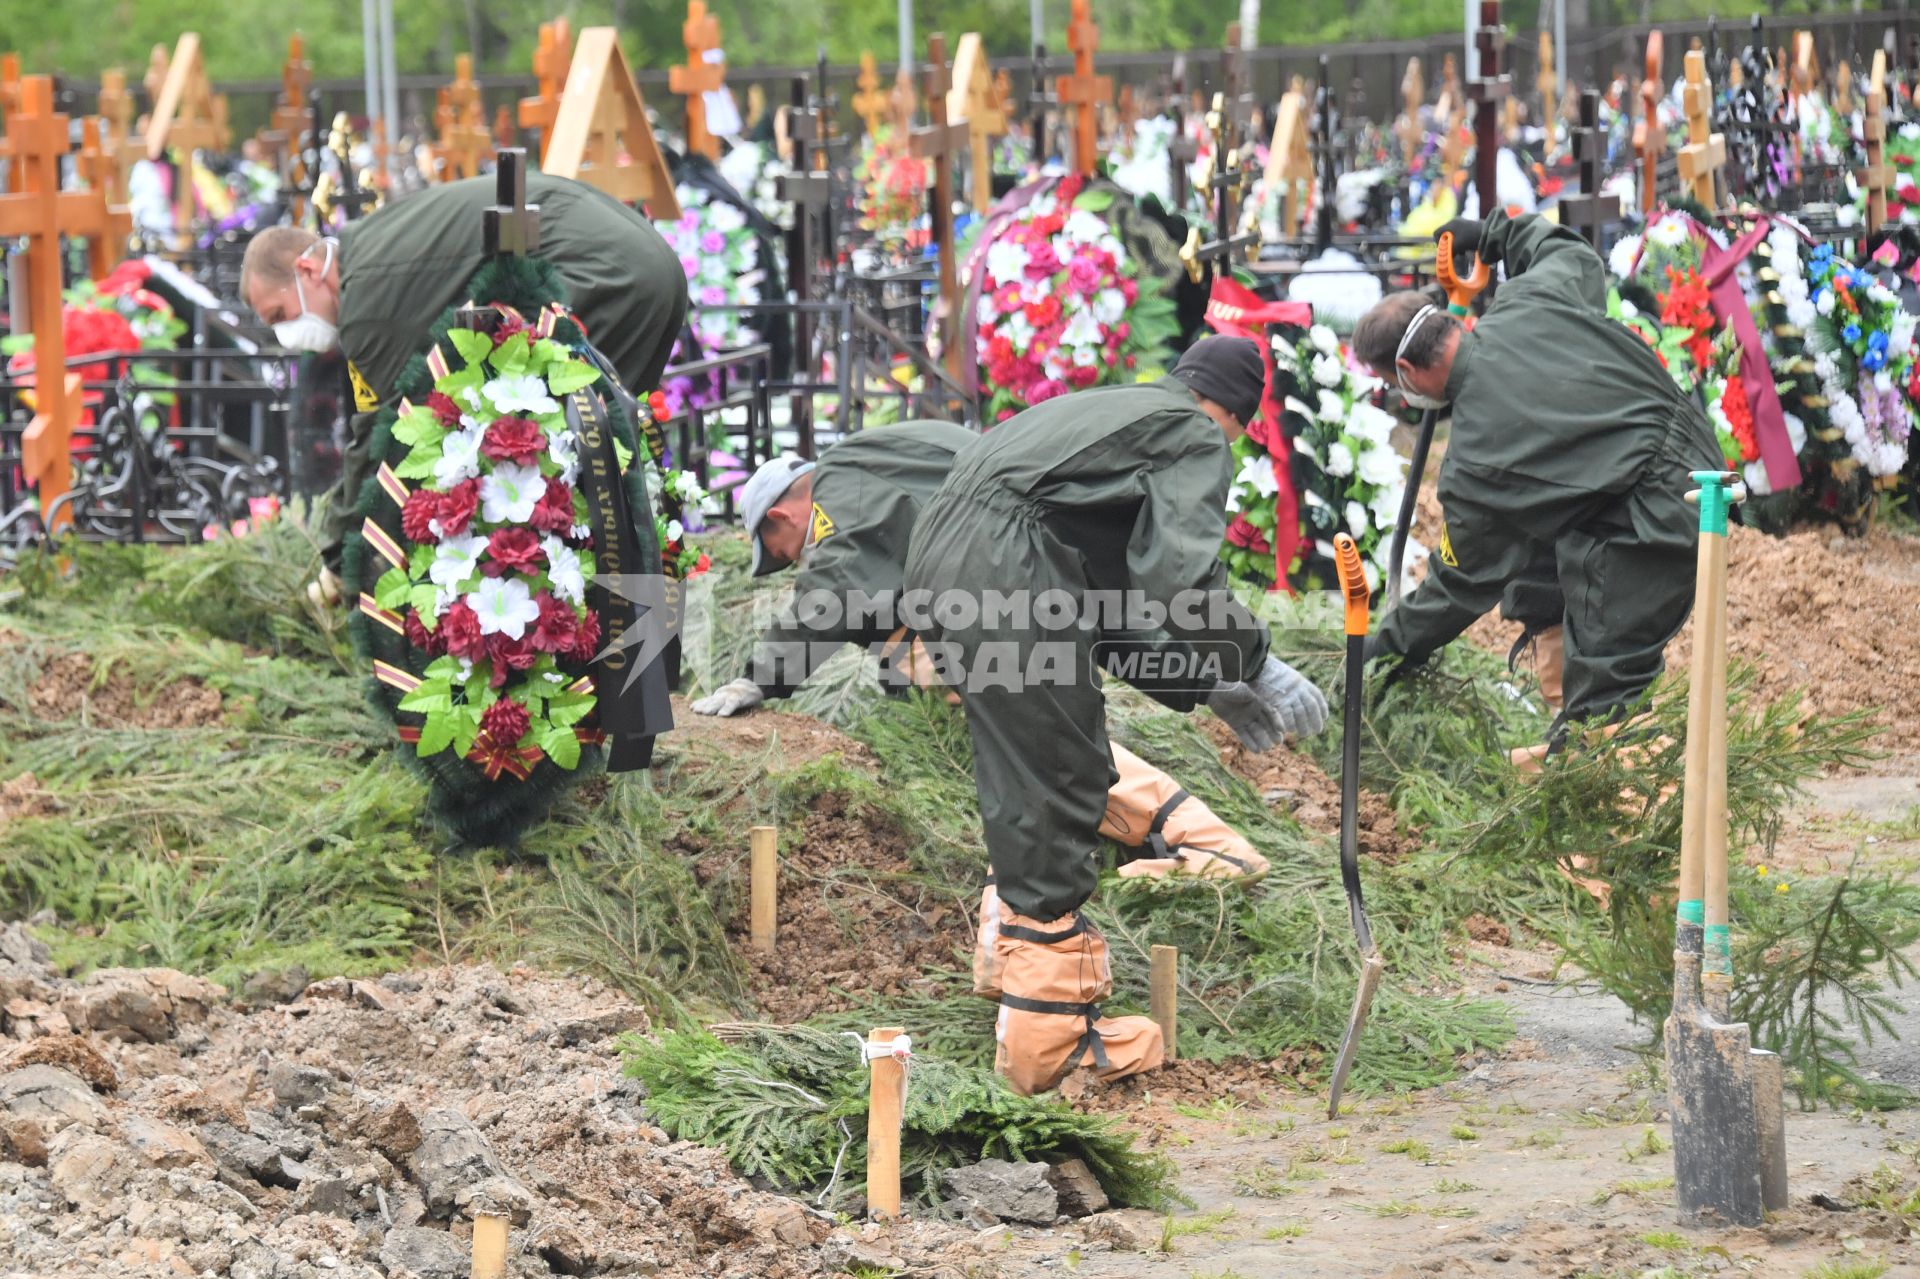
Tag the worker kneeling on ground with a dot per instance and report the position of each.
(1565, 478)
(1117, 493)
(845, 522)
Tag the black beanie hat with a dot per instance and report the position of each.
(1226, 370)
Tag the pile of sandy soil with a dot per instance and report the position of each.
(71, 687)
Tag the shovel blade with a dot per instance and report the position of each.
(1716, 1137)
(1371, 968)
(1770, 1120)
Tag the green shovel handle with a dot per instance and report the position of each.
(1716, 496)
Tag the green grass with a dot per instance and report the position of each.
(1667, 1241)
(1849, 1268)
(1263, 1181)
(1418, 1151)
(1452, 1186)
(1645, 1186)
(1460, 1132)
(1290, 1230)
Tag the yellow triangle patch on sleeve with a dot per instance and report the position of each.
(1447, 556)
(364, 400)
(822, 524)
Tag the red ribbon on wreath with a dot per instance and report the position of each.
(1237, 311)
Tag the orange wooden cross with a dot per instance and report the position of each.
(551, 61)
(701, 33)
(1649, 139)
(601, 135)
(938, 144)
(39, 138)
(974, 102)
(871, 103)
(9, 106)
(292, 117)
(461, 118)
(1084, 91)
(1877, 177)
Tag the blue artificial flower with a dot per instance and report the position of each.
(1877, 341)
(1873, 361)
(1851, 333)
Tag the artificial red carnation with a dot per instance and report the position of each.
(1242, 533)
(1083, 376)
(586, 638)
(423, 507)
(420, 637)
(514, 550)
(508, 326)
(513, 439)
(508, 653)
(554, 631)
(457, 506)
(460, 631)
(445, 411)
(553, 513)
(505, 722)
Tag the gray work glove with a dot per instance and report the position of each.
(742, 695)
(1250, 718)
(1295, 700)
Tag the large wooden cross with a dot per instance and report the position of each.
(602, 118)
(116, 108)
(1040, 100)
(93, 214)
(938, 144)
(39, 213)
(1238, 106)
(1649, 139)
(1590, 212)
(1705, 153)
(975, 102)
(184, 119)
(9, 107)
(1084, 91)
(1413, 94)
(1228, 183)
(1843, 89)
(292, 117)
(698, 77)
(1877, 177)
(551, 60)
(1491, 86)
(1548, 84)
(1290, 159)
(464, 141)
(870, 103)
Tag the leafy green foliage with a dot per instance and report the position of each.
(789, 1104)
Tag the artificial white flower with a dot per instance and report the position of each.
(1064, 248)
(1110, 244)
(510, 493)
(1370, 422)
(1824, 303)
(1323, 340)
(580, 532)
(1910, 131)
(1625, 252)
(1085, 227)
(1339, 460)
(1883, 381)
(1086, 357)
(1755, 474)
(459, 458)
(1379, 465)
(1628, 310)
(1007, 262)
(675, 530)
(466, 669)
(1258, 472)
(1328, 371)
(1082, 330)
(1109, 306)
(563, 447)
(1385, 504)
(1042, 205)
(1669, 232)
(1900, 336)
(1881, 294)
(1373, 575)
(1314, 499)
(1323, 547)
(526, 396)
(985, 312)
(724, 217)
(1018, 331)
(1356, 518)
(1796, 432)
(1801, 313)
(504, 606)
(455, 559)
(1333, 407)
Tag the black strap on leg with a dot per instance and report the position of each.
(1020, 932)
(1089, 1042)
(1178, 852)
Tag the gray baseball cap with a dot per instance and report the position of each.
(768, 485)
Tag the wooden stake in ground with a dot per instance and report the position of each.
(1706, 151)
(937, 145)
(489, 1246)
(1164, 995)
(1084, 91)
(1877, 177)
(764, 874)
(1649, 139)
(39, 138)
(601, 118)
(551, 61)
(870, 103)
(699, 77)
(886, 1100)
(974, 102)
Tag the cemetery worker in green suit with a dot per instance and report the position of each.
(378, 288)
(1086, 519)
(1569, 442)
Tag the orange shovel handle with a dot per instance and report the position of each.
(1460, 293)
(1353, 582)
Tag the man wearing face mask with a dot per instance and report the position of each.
(377, 289)
(1565, 477)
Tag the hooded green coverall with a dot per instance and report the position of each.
(1118, 489)
(1571, 445)
(406, 264)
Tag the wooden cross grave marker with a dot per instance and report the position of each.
(1649, 139)
(1238, 105)
(9, 107)
(551, 59)
(698, 77)
(1084, 91)
(41, 213)
(292, 118)
(1182, 150)
(870, 103)
(810, 189)
(1548, 84)
(976, 102)
(1040, 100)
(938, 144)
(1228, 182)
(1492, 86)
(116, 108)
(1877, 177)
(1290, 159)
(1326, 164)
(1413, 93)
(510, 225)
(461, 117)
(1705, 153)
(601, 116)
(1590, 212)
(183, 111)
(1843, 88)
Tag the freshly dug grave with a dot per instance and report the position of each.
(148, 1127)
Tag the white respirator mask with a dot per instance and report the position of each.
(1412, 397)
(307, 331)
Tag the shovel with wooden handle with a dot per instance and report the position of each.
(1729, 1146)
(1353, 585)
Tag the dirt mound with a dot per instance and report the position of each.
(71, 687)
(356, 1130)
(22, 797)
(1296, 783)
(854, 923)
(785, 741)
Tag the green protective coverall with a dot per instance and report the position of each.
(402, 267)
(1121, 489)
(867, 492)
(1570, 447)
